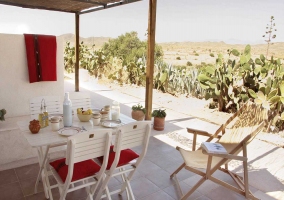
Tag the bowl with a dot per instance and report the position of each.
(84, 118)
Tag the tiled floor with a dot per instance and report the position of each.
(151, 182)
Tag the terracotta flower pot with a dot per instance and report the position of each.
(159, 123)
(138, 115)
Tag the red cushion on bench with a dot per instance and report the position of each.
(81, 169)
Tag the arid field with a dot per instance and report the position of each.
(194, 52)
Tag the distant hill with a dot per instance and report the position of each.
(98, 41)
(180, 53)
(277, 49)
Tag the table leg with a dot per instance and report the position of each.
(41, 173)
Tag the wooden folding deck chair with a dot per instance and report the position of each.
(248, 122)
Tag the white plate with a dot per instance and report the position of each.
(68, 131)
(111, 123)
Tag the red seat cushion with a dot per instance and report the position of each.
(126, 156)
(81, 169)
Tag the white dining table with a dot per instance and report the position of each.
(46, 138)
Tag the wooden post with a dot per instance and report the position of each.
(150, 57)
(77, 52)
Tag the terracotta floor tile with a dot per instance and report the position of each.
(160, 195)
(221, 193)
(28, 186)
(41, 195)
(8, 176)
(174, 192)
(27, 171)
(182, 174)
(270, 195)
(203, 188)
(147, 167)
(203, 198)
(160, 178)
(163, 160)
(11, 191)
(142, 187)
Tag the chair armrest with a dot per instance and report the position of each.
(228, 156)
(196, 132)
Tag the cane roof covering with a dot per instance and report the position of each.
(71, 6)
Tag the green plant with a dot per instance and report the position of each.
(178, 58)
(269, 33)
(139, 107)
(212, 54)
(159, 113)
(188, 63)
(196, 54)
(219, 81)
(2, 113)
(129, 48)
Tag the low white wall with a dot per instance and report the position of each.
(15, 88)
(15, 94)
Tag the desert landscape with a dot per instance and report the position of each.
(194, 52)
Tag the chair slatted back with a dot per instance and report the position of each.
(53, 104)
(249, 118)
(88, 145)
(80, 100)
(132, 135)
(250, 121)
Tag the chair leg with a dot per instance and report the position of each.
(245, 166)
(64, 192)
(202, 180)
(48, 184)
(107, 193)
(177, 170)
(102, 188)
(126, 185)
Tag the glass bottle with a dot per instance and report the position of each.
(115, 111)
(67, 110)
(45, 113)
(41, 117)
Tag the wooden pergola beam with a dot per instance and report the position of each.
(150, 57)
(77, 36)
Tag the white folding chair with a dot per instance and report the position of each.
(122, 160)
(80, 100)
(79, 166)
(53, 104)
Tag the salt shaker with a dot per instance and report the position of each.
(115, 111)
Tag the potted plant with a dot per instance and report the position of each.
(138, 112)
(2, 113)
(159, 119)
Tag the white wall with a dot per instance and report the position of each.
(15, 94)
(15, 88)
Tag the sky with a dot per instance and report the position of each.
(231, 21)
